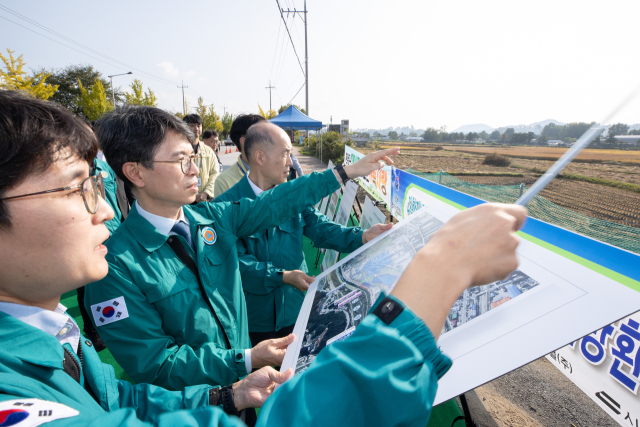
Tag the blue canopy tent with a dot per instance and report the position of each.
(294, 119)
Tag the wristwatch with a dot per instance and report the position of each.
(342, 173)
(223, 396)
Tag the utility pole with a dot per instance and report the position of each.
(306, 51)
(225, 110)
(184, 105)
(270, 87)
(113, 96)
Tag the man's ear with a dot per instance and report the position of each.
(260, 157)
(132, 171)
(241, 141)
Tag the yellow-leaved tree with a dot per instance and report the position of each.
(139, 97)
(269, 114)
(13, 77)
(211, 119)
(93, 101)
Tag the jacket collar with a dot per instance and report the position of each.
(244, 188)
(29, 344)
(149, 237)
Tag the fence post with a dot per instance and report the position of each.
(521, 189)
(440, 177)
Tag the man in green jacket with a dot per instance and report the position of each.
(272, 265)
(51, 234)
(177, 329)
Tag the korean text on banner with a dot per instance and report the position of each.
(377, 184)
(606, 366)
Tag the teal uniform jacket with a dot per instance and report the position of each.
(263, 256)
(110, 188)
(170, 337)
(382, 375)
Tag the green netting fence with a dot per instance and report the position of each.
(615, 234)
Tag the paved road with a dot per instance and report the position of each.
(228, 159)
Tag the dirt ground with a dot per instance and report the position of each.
(602, 202)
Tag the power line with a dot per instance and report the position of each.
(109, 60)
(275, 53)
(294, 96)
(287, 28)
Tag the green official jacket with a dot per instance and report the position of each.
(110, 189)
(263, 256)
(166, 334)
(382, 375)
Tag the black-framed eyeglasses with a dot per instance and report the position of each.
(91, 189)
(185, 162)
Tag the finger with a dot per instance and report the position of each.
(306, 277)
(518, 212)
(394, 151)
(283, 342)
(280, 377)
(387, 160)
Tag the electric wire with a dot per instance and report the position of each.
(107, 59)
(275, 53)
(287, 28)
(294, 96)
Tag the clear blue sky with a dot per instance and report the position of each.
(378, 63)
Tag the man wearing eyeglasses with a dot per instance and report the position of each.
(207, 160)
(175, 266)
(52, 229)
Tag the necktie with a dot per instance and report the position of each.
(181, 229)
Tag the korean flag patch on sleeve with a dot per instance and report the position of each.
(109, 311)
(32, 412)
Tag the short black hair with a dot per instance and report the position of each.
(192, 118)
(33, 134)
(209, 133)
(134, 134)
(241, 125)
(258, 135)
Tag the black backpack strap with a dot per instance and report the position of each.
(186, 259)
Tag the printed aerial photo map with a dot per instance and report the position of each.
(344, 296)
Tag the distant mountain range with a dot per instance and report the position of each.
(533, 127)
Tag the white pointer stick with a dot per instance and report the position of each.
(592, 133)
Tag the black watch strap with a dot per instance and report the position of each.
(342, 173)
(226, 398)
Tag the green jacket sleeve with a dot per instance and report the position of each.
(137, 417)
(258, 277)
(150, 401)
(159, 359)
(329, 235)
(275, 206)
(387, 375)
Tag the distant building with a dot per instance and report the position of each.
(334, 128)
(414, 139)
(627, 139)
(555, 142)
(344, 127)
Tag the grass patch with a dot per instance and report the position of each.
(601, 181)
(495, 159)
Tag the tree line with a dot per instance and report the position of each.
(85, 92)
(567, 133)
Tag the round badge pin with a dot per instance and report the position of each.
(209, 235)
(104, 174)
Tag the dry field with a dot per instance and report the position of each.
(599, 201)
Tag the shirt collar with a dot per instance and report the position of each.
(163, 225)
(56, 323)
(254, 187)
